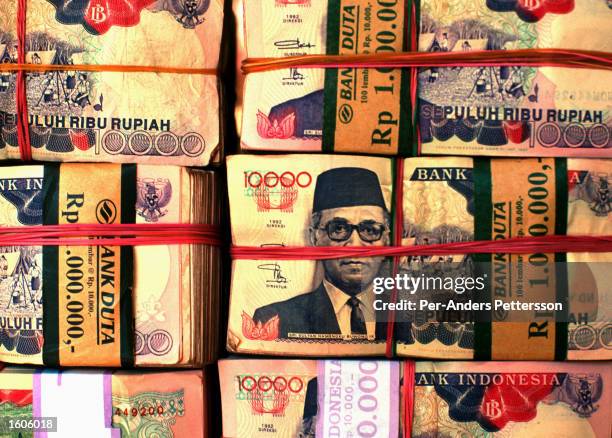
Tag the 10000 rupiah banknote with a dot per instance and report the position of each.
(303, 109)
(145, 117)
(104, 305)
(120, 404)
(461, 199)
(284, 307)
(514, 111)
(508, 111)
(303, 307)
(307, 398)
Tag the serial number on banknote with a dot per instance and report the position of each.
(148, 411)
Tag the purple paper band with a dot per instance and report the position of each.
(108, 405)
(320, 392)
(394, 407)
(36, 400)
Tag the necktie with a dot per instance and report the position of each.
(358, 326)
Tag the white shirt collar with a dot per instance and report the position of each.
(339, 299)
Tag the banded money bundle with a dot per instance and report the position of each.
(307, 398)
(334, 308)
(160, 116)
(493, 111)
(103, 404)
(105, 305)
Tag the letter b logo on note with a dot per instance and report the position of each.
(492, 409)
(97, 14)
(530, 4)
(532, 11)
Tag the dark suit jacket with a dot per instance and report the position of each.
(307, 110)
(310, 313)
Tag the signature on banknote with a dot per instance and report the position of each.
(277, 276)
(293, 44)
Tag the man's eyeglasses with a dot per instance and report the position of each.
(340, 230)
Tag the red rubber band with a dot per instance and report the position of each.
(515, 245)
(111, 234)
(589, 59)
(414, 93)
(23, 130)
(413, 29)
(408, 396)
(398, 230)
(107, 68)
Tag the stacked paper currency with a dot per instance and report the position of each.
(303, 307)
(103, 404)
(307, 398)
(494, 111)
(519, 153)
(108, 306)
(160, 117)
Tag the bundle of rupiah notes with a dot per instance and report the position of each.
(166, 111)
(104, 305)
(308, 398)
(103, 404)
(340, 306)
(492, 110)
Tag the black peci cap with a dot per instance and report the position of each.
(347, 187)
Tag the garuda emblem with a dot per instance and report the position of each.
(153, 196)
(595, 191)
(583, 391)
(188, 12)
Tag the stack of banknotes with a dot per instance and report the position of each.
(308, 398)
(491, 111)
(493, 155)
(103, 404)
(109, 306)
(299, 307)
(122, 93)
(160, 116)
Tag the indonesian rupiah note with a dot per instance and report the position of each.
(307, 398)
(343, 200)
(514, 110)
(504, 111)
(289, 307)
(145, 117)
(511, 399)
(126, 404)
(346, 109)
(86, 298)
(462, 199)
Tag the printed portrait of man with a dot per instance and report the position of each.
(348, 210)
